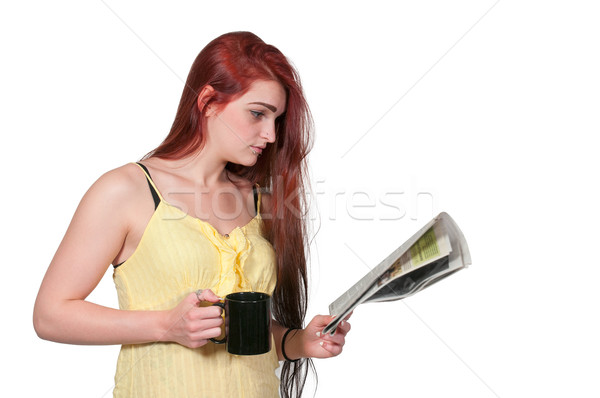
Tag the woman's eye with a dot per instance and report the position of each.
(256, 114)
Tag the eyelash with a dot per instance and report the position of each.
(257, 114)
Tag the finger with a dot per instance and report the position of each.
(344, 322)
(203, 324)
(191, 300)
(331, 348)
(337, 338)
(210, 333)
(343, 328)
(196, 343)
(208, 312)
(207, 295)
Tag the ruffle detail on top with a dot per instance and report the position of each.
(233, 249)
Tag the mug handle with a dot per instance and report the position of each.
(224, 339)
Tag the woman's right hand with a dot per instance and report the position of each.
(191, 325)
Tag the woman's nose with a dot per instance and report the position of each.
(269, 134)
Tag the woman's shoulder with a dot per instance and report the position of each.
(121, 180)
(120, 185)
(114, 200)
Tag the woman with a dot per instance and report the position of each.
(189, 224)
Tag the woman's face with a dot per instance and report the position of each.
(240, 131)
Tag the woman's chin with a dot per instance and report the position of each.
(249, 162)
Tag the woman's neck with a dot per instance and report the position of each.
(199, 167)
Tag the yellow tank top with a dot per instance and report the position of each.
(177, 255)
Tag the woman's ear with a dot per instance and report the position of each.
(204, 97)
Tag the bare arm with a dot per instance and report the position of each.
(94, 238)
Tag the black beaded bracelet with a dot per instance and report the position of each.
(283, 345)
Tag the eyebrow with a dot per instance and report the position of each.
(268, 106)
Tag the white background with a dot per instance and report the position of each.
(484, 110)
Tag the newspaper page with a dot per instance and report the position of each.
(437, 250)
(429, 254)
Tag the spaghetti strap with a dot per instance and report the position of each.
(257, 197)
(156, 196)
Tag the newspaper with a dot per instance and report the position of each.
(436, 251)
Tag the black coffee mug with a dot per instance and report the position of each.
(247, 323)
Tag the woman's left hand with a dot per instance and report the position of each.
(315, 344)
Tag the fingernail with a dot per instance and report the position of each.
(321, 343)
(342, 323)
(318, 334)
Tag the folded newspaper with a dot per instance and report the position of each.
(436, 251)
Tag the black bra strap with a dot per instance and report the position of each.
(155, 196)
(255, 191)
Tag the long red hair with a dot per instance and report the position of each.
(230, 64)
